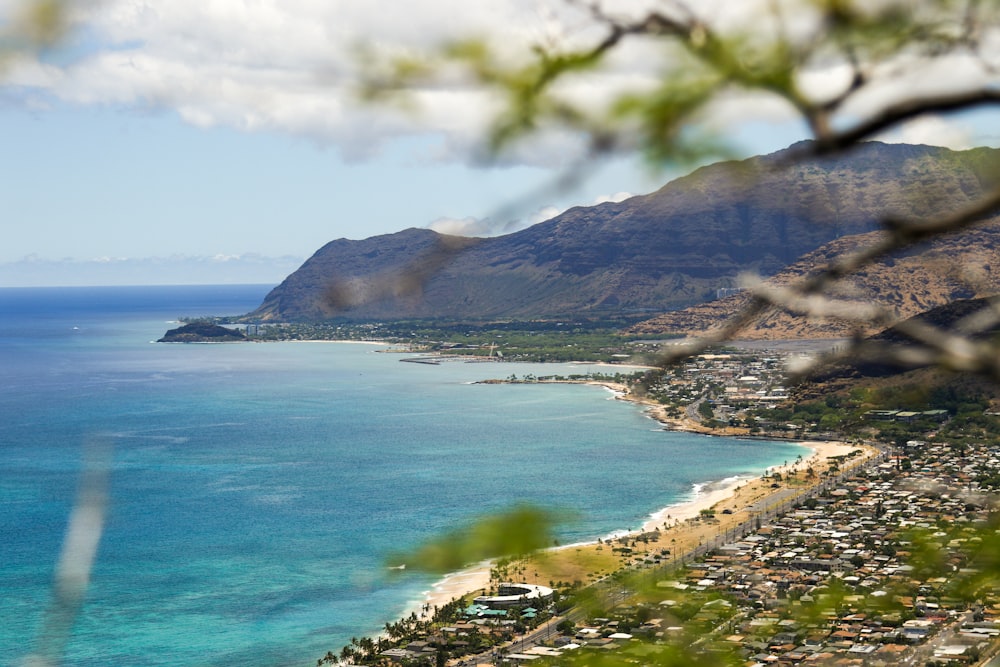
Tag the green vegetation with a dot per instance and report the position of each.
(201, 332)
(521, 531)
(966, 415)
(597, 340)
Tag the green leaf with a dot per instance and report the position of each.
(512, 534)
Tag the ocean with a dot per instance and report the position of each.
(256, 490)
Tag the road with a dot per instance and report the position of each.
(765, 509)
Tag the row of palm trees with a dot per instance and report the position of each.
(365, 650)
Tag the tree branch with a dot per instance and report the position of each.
(900, 112)
(900, 235)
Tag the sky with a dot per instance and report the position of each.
(222, 141)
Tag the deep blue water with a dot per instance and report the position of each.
(256, 489)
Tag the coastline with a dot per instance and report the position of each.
(679, 528)
(477, 577)
(348, 341)
(458, 584)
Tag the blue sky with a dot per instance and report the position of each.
(112, 185)
(219, 140)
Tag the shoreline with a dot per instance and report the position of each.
(681, 525)
(679, 522)
(323, 340)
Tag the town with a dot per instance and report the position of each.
(887, 556)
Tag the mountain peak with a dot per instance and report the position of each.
(652, 253)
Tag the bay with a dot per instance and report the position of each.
(256, 489)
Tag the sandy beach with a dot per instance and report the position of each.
(456, 585)
(673, 531)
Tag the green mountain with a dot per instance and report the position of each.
(654, 253)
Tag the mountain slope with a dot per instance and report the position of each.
(658, 252)
(955, 267)
(846, 376)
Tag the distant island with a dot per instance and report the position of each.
(202, 332)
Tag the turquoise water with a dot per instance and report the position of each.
(255, 489)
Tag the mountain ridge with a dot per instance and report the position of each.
(652, 253)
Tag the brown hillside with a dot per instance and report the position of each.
(956, 267)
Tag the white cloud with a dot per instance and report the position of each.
(290, 66)
(469, 226)
(480, 227)
(933, 131)
(543, 214)
(286, 66)
(617, 197)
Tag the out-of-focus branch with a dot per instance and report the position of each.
(875, 43)
(830, 141)
(79, 550)
(34, 25)
(954, 348)
(902, 234)
(344, 293)
(806, 297)
(701, 41)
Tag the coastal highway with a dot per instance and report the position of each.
(767, 508)
(691, 409)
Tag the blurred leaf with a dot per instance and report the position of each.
(46, 21)
(32, 25)
(516, 533)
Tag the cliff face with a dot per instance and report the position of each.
(653, 253)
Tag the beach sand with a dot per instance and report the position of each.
(471, 580)
(673, 532)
